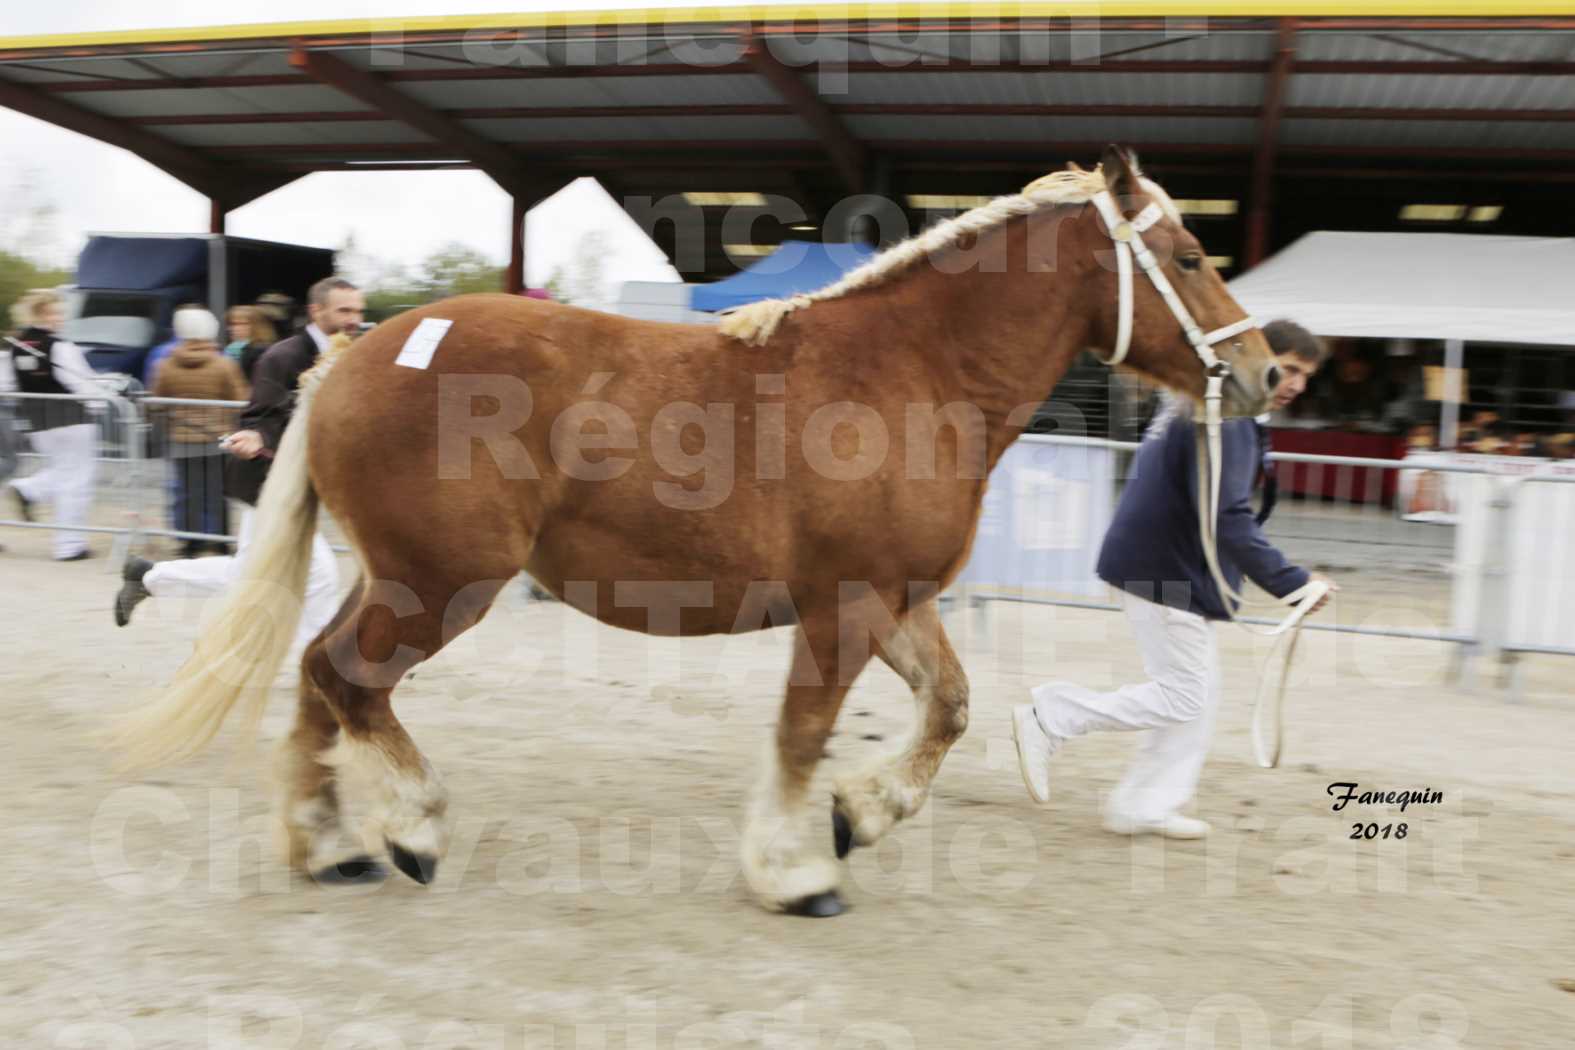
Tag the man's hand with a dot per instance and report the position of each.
(1319, 577)
(243, 444)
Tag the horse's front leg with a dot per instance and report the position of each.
(785, 851)
(866, 805)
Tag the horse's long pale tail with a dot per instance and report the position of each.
(240, 649)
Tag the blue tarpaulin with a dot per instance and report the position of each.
(797, 266)
(142, 263)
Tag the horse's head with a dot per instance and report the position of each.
(1157, 341)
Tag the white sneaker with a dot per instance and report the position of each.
(1172, 826)
(1035, 749)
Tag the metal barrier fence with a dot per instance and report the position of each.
(157, 467)
(1496, 577)
(94, 486)
(183, 434)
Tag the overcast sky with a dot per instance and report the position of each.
(395, 216)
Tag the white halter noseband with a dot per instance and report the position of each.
(1128, 238)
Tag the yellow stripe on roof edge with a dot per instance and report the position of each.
(714, 15)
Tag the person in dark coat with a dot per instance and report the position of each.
(1153, 554)
(335, 306)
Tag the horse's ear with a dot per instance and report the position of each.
(1121, 178)
(1073, 165)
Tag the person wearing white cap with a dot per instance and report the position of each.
(196, 370)
(37, 361)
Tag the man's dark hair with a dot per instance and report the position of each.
(318, 295)
(1288, 337)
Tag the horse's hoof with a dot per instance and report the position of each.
(818, 906)
(418, 866)
(357, 871)
(841, 832)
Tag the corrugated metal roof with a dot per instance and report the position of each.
(305, 99)
(1411, 46)
(297, 133)
(1432, 92)
(1132, 130)
(642, 129)
(716, 89)
(1028, 66)
(1464, 135)
(1225, 89)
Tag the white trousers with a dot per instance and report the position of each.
(66, 482)
(205, 577)
(1176, 707)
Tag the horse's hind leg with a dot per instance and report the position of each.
(785, 854)
(308, 803)
(867, 805)
(356, 667)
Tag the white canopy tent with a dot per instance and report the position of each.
(1457, 287)
(1451, 286)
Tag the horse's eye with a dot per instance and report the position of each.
(1190, 263)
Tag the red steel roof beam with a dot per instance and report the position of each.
(848, 155)
(1268, 143)
(193, 169)
(372, 90)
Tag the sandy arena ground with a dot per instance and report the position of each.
(592, 899)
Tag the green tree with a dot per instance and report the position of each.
(29, 253)
(580, 280)
(18, 274)
(454, 269)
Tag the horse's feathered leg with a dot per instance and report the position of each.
(785, 850)
(867, 805)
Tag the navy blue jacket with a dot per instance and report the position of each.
(1153, 549)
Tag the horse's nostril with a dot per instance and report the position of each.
(1271, 378)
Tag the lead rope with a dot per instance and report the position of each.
(1302, 600)
(1128, 239)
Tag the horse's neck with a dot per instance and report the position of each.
(998, 340)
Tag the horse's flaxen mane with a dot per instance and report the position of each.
(754, 323)
(312, 378)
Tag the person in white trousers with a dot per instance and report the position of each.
(1154, 554)
(335, 306)
(206, 577)
(37, 361)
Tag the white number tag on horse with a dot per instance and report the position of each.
(26, 364)
(423, 342)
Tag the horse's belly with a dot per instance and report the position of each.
(627, 584)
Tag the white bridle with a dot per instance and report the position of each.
(1127, 235)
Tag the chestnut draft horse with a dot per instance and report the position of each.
(818, 462)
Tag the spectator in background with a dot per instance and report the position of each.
(1561, 446)
(280, 311)
(1422, 438)
(37, 362)
(156, 356)
(251, 334)
(197, 371)
(1356, 388)
(1526, 444)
